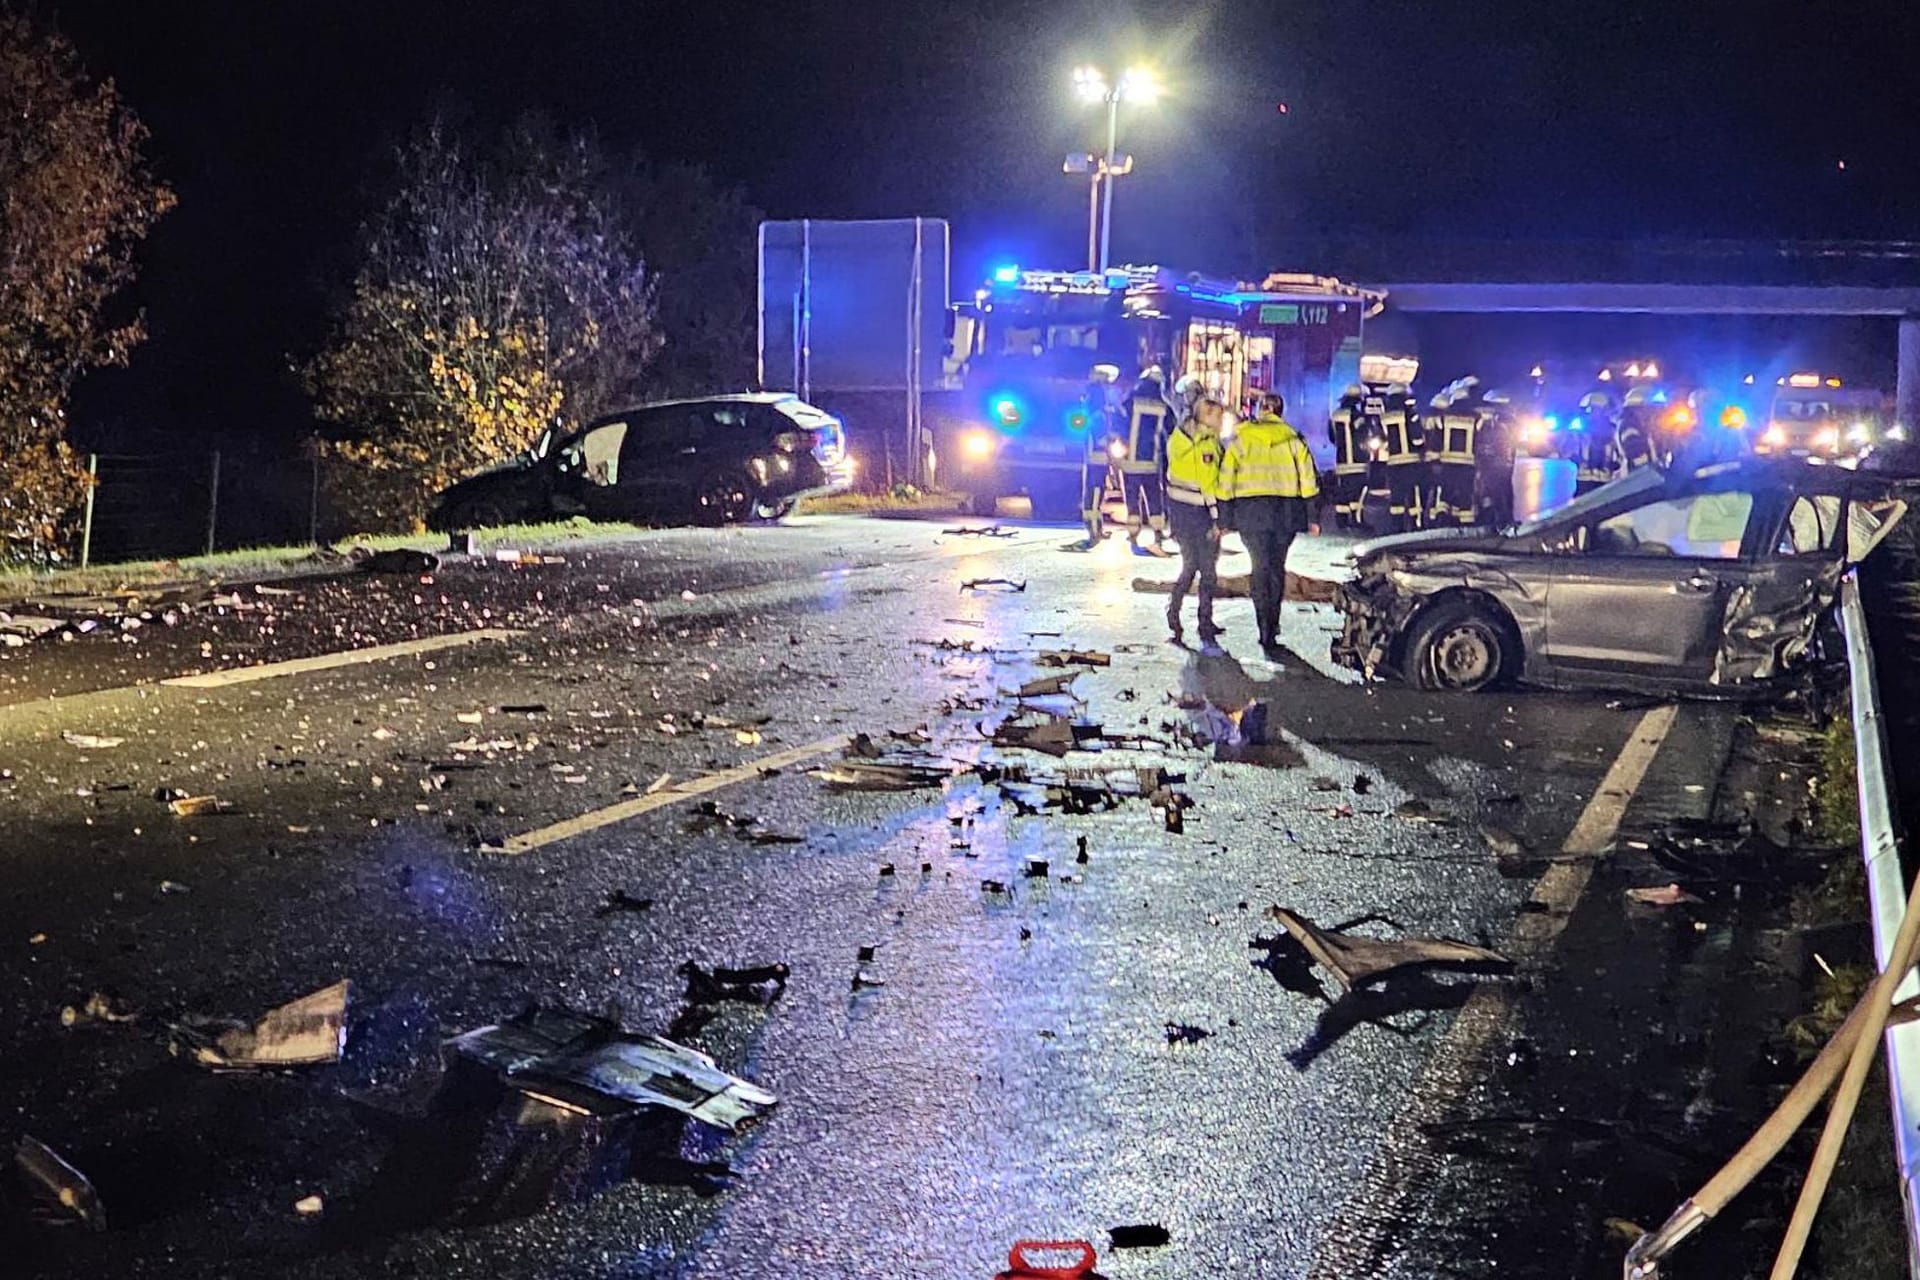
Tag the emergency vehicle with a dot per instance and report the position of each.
(1817, 416)
(1040, 362)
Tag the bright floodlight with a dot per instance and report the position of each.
(1139, 84)
(1089, 84)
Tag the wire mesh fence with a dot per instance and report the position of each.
(148, 506)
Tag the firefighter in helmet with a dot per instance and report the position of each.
(1635, 437)
(1404, 459)
(1493, 444)
(1598, 460)
(1454, 478)
(1130, 462)
(1347, 429)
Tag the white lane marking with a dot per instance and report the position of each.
(1376, 1214)
(328, 661)
(626, 809)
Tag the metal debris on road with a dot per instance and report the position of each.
(590, 1066)
(307, 1206)
(90, 741)
(57, 1194)
(619, 900)
(1666, 895)
(1003, 584)
(1420, 811)
(1179, 1033)
(1144, 1235)
(1356, 960)
(1047, 686)
(978, 531)
(305, 1032)
(1074, 658)
(751, 984)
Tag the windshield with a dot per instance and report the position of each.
(1645, 480)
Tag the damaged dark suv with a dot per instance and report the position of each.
(1709, 581)
(713, 461)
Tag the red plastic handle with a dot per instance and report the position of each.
(1080, 1270)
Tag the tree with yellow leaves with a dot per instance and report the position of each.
(494, 299)
(76, 196)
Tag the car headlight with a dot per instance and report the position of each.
(978, 445)
(1896, 432)
(1827, 438)
(1859, 433)
(1774, 438)
(1116, 449)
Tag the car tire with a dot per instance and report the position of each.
(1459, 647)
(722, 498)
(773, 512)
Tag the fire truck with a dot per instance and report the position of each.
(1039, 362)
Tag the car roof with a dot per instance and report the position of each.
(735, 397)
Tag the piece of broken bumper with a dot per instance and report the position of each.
(589, 1066)
(1372, 612)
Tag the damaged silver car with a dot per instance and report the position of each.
(1710, 581)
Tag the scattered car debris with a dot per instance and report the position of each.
(1047, 686)
(993, 886)
(1002, 584)
(1050, 1260)
(172, 887)
(398, 560)
(1144, 1235)
(1711, 859)
(1185, 1033)
(90, 741)
(590, 1066)
(979, 531)
(1074, 658)
(198, 806)
(1035, 868)
(752, 984)
(1356, 960)
(1362, 784)
(305, 1032)
(105, 1005)
(57, 1193)
(886, 869)
(619, 900)
(1324, 783)
(1666, 895)
(1420, 811)
(308, 1206)
(1054, 736)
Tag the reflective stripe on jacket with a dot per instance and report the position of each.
(1267, 459)
(1193, 465)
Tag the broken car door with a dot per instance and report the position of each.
(1645, 591)
(1771, 616)
(588, 473)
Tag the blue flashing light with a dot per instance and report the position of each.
(1550, 422)
(1660, 397)
(1577, 424)
(1006, 411)
(1007, 274)
(1078, 419)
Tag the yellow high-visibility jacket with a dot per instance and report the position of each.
(1267, 459)
(1193, 465)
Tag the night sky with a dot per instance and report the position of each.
(1405, 118)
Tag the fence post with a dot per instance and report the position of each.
(213, 502)
(313, 495)
(86, 526)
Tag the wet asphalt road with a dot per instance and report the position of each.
(1013, 1077)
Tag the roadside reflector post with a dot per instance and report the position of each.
(86, 523)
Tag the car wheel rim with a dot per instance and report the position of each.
(1464, 657)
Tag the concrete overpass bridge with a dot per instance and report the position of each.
(1827, 278)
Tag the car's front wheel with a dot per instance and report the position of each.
(771, 511)
(1459, 647)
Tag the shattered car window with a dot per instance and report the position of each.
(1704, 526)
(600, 453)
(1646, 480)
(1811, 525)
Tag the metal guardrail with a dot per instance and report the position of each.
(1887, 894)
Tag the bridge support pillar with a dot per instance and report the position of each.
(1906, 394)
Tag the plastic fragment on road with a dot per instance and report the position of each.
(1074, 658)
(591, 1066)
(100, 1006)
(90, 741)
(1001, 584)
(1178, 1033)
(1047, 686)
(198, 806)
(308, 1206)
(1050, 1260)
(56, 1193)
(620, 900)
(1140, 1235)
(1356, 960)
(978, 531)
(1665, 895)
(306, 1032)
